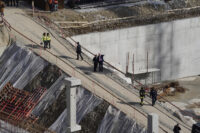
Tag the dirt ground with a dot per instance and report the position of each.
(81, 21)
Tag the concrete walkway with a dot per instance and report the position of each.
(98, 83)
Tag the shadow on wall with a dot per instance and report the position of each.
(162, 53)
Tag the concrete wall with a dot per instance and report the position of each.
(174, 47)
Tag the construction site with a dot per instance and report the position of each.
(144, 43)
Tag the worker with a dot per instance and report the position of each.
(153, 95)
(44, 40)
(176, 128)
(78, 51)
(55, 5)
(95, 61)
(51, 5)
(48, 38)
(142, 95)
(100, 60)
(2, 6)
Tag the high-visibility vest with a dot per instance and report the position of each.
(55, 1)
(50, 1)
(44, 38)
(48, 38)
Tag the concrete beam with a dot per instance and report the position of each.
(71, 84)
(153, 123)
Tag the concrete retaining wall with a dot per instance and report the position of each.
(174, 47)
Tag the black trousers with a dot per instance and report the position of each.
(49, 44)
(142, 99)
(95, 67)
(45, 44)
(100, 66)
(79, 54)
(153, 101)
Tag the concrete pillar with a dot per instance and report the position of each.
(71, 84)
(153, 123)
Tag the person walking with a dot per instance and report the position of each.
(2, 6)
(100, 60)
(95, 61)
(44, 40)
(78, 51)
(153, 95)
(48, 40)
(176, 128)
(142, 95)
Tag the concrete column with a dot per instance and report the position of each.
(71, 84)
(153, 123)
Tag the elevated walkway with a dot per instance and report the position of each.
(63, 55)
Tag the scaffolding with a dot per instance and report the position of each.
(16, 107)
(146, 75)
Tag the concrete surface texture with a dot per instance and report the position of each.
(173, 47)
(72, 83)
(4, 38)
(98, 83)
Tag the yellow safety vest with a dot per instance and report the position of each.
(44, 38)
(48, 38)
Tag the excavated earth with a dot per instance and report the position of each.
(107, 18)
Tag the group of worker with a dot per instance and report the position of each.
(98, 61)
(153, 95)
(53, 5)
(46, 40)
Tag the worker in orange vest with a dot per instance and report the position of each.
(50, 5)
(56, 5)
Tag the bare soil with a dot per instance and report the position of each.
(108, 18)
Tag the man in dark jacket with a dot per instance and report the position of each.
(95, 61)
(153, 95)
(142, 95)
(78, 51)
(176, 128)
